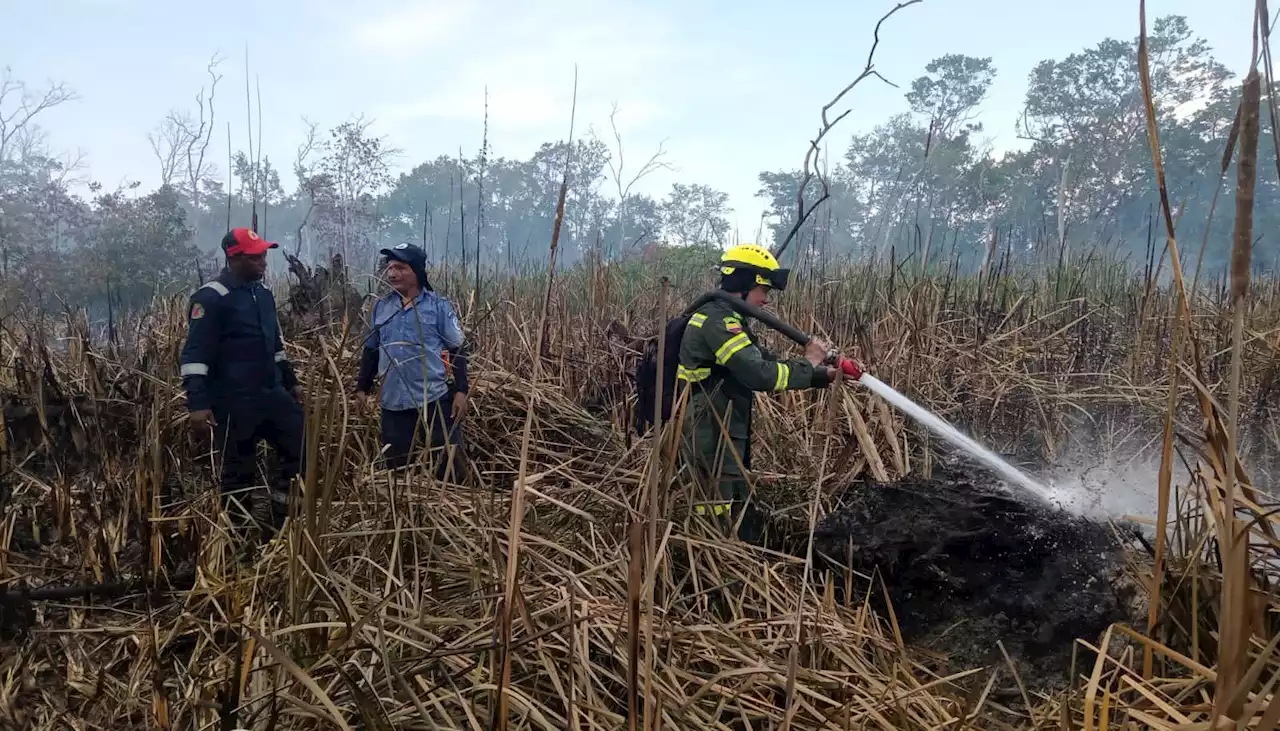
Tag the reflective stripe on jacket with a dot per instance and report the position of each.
(233, 348)
(724, 364)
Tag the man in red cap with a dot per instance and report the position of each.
(238, 382)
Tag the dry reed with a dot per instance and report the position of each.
(382, 605)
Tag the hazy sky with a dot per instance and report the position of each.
(732, 87)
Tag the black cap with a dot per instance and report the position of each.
(412, 255)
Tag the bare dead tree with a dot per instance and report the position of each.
(198, 140)
(28, 142)
(354, 166)
(180, 143)
(313, 286)
(167, 141)
(307, 181)
(655, 162)
(32, 141)
(201, 134)
(71, 167)
(21, 137)
(20, 105)
(810, 169)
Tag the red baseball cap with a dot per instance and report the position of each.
(246, 241)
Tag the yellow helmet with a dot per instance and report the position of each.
(756, 259)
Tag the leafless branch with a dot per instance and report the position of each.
(73, 163)
(198, 139)
(1024, 131)
(306, 181)
(880, 76)
(29, 104)
(646, 234)
(28, 142)
(180, 141)
(301, 165)
(167, 141)
(655, 162)
(809, 169)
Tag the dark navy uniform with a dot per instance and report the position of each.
(234, 364)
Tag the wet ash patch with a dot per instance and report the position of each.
(967, 564)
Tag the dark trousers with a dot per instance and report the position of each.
(273, 417)
(720, 466)
(402, 431)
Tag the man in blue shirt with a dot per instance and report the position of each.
(414, 331)
(238, 382)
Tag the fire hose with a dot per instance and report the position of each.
(852, 369)
(855, 371)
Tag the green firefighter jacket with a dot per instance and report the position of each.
(723, 363)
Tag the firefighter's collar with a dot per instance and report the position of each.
(232, 281)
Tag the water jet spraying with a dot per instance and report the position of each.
(957, 438)
(854, 371)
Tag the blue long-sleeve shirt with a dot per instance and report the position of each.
(410, 340)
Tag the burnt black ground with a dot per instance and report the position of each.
(967, 564)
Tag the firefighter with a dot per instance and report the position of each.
(416, 345)
(238, 382)
(723, 364)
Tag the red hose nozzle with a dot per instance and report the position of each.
(852, 368)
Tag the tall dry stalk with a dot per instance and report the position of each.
(405, 594)
(1182, 318)
(517, 499)
(834, 396)
(1235, 615)
(651, 505)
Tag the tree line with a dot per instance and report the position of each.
(925, 183)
